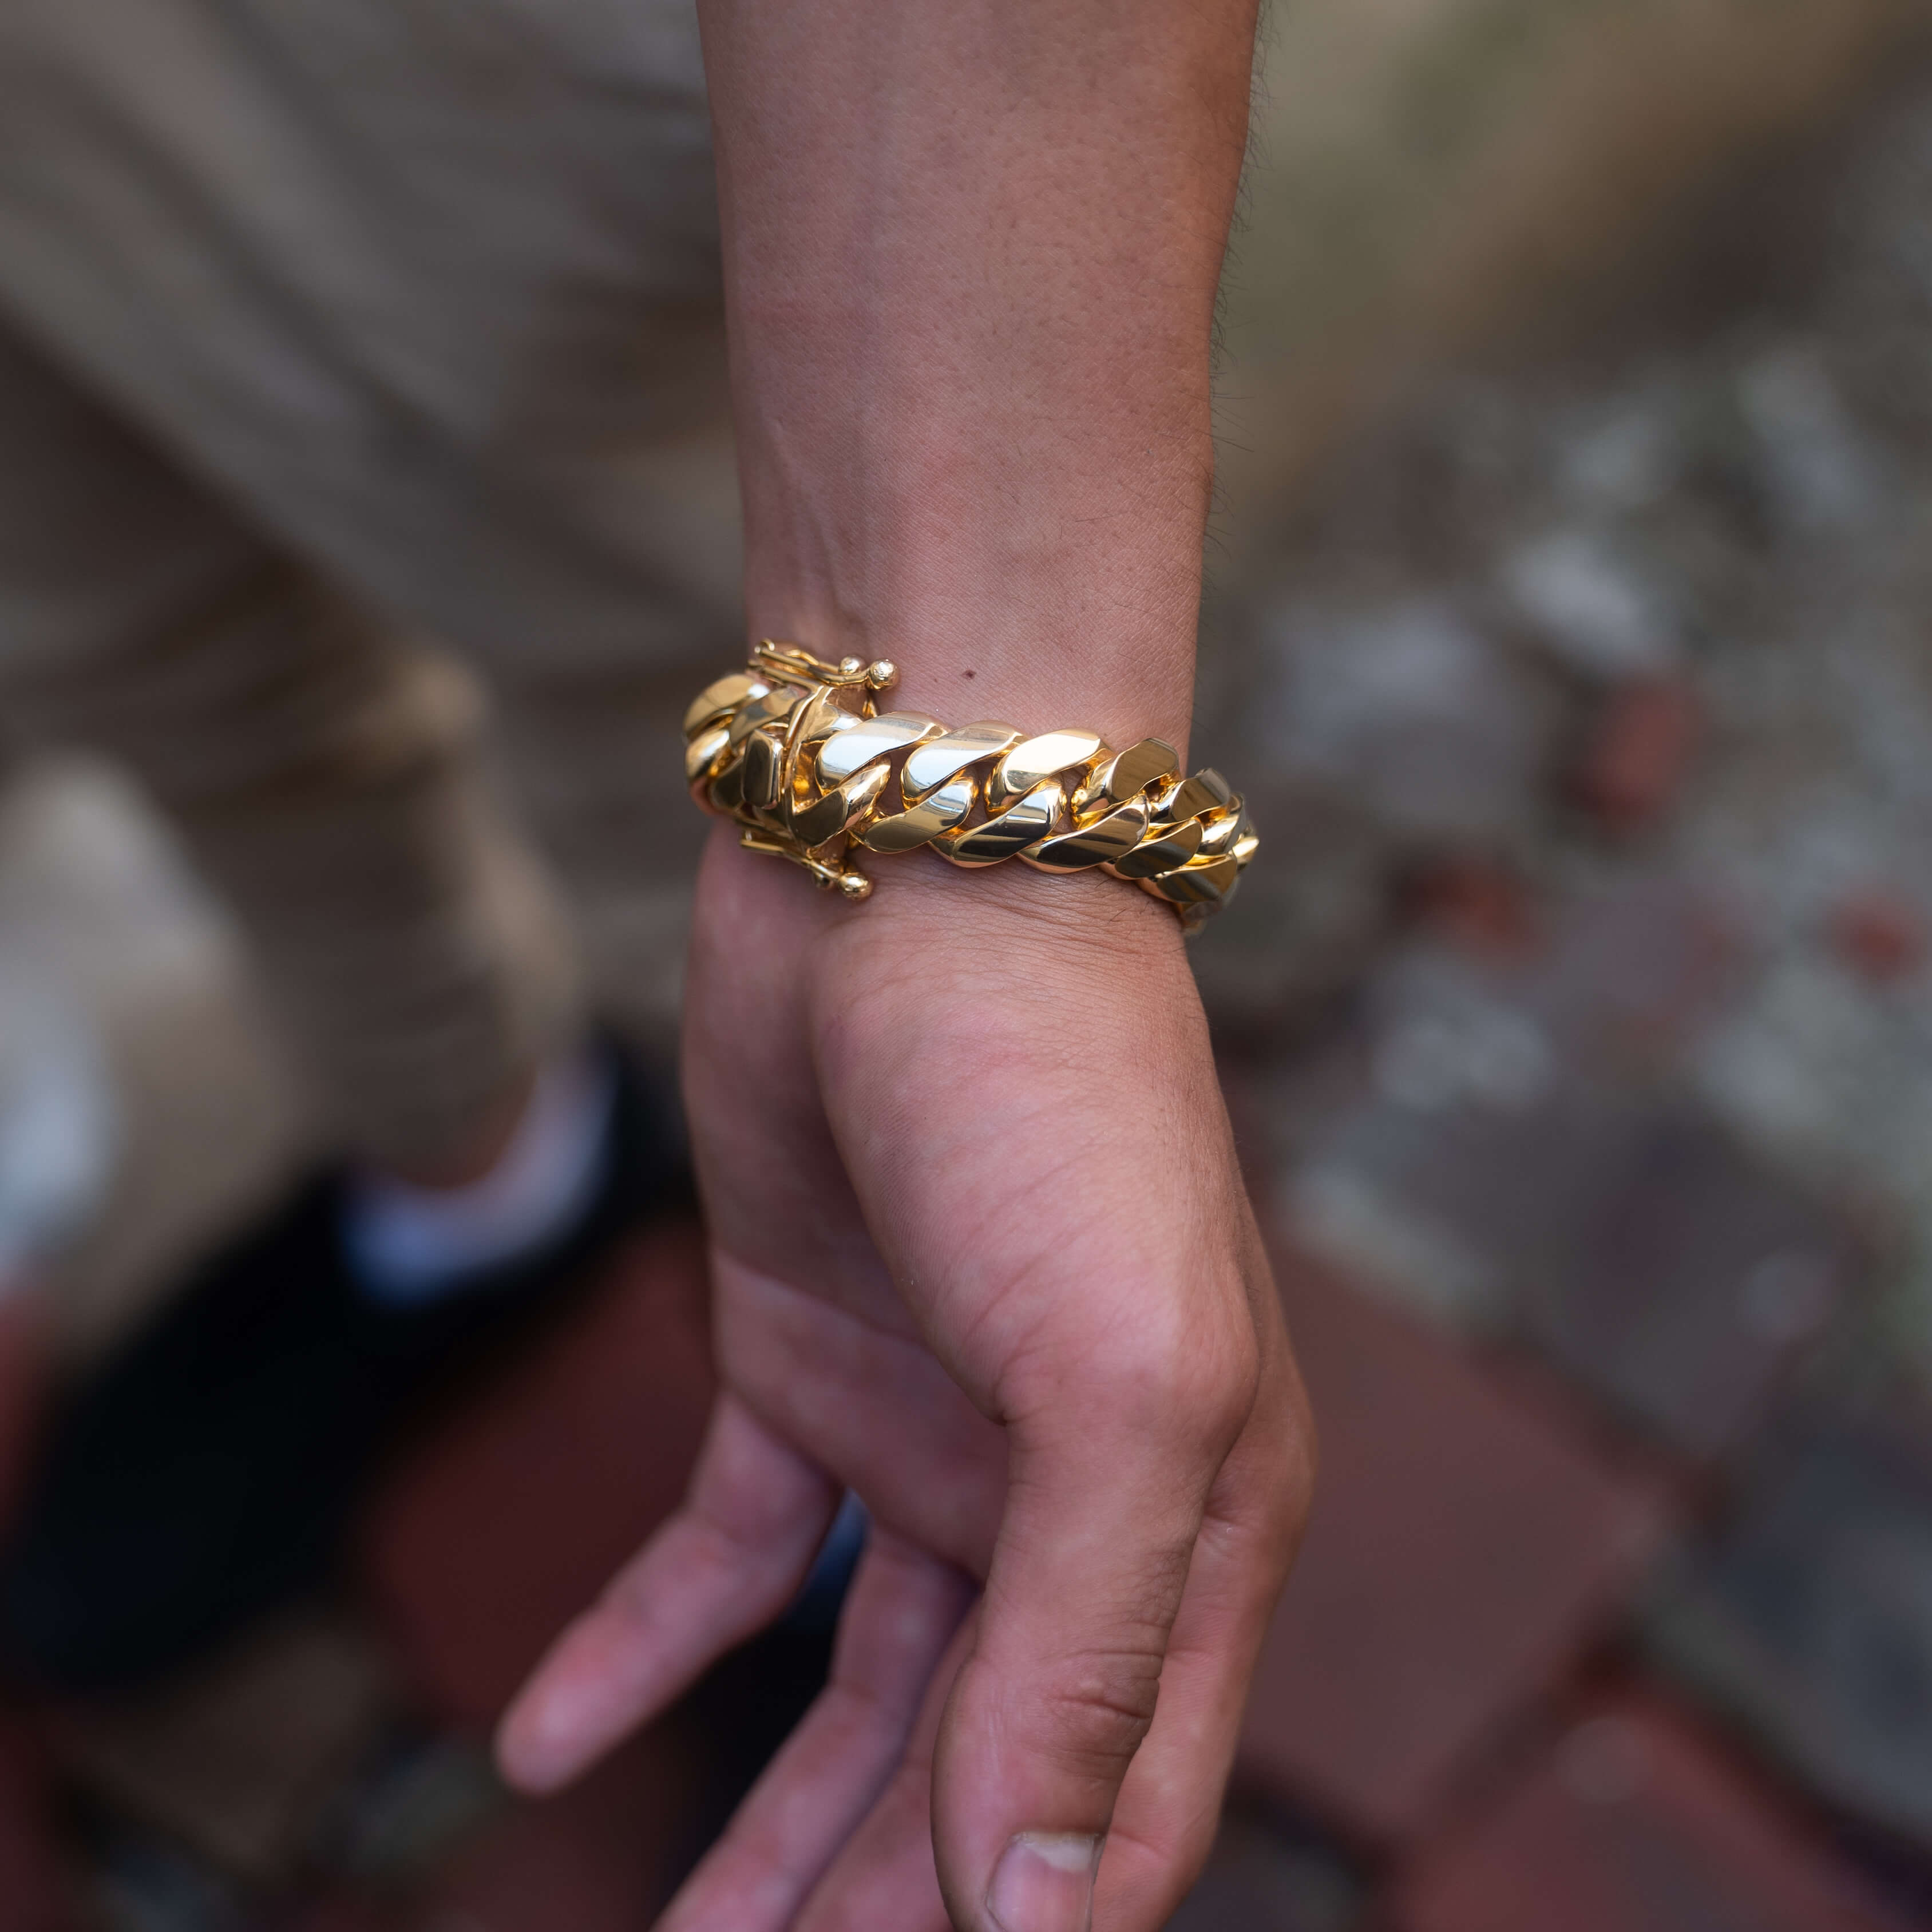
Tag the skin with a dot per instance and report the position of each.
(980, 1247)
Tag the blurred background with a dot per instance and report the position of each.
(1570, 623)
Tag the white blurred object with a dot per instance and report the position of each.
(59, 1128)
(1410, 710)
(1593, 605)
(1821, 471)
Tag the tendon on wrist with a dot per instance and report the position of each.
(796, 752)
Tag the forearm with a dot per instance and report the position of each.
(971, 250)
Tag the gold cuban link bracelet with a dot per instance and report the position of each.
(796, 751)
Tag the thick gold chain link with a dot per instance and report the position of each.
(796, 750)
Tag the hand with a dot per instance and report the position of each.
(981, 1253)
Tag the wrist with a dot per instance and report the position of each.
(1043, 606)
(1089, 924)
(1026, 660)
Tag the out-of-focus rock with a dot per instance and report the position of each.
(1594, 606)
(1622, 1234)
(1638, 752)
(1465, 1550)
(1409, 711)
(1820, 471)
(1694, 1280)
(240, 1759)
(1807, 1618)
(1881, 934)
(1632, 1821)
(1477, 906)
(1811, 1069)
(1460, 1145)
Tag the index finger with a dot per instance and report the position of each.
(1112, 1468)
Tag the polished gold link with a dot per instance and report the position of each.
(1033, 760)
(774, 704)
(728, 789)
(1201, 883)
(1222, 830)
(796, 750)
(1127, 774)
(1098, 843)
(1197, 882)
(1190, 797)
(938, 812)
(819, 717)
(836, 814)
(1008, 832)
(941, 760)
(719, 699)
(1161, 851)
(764, 765)
(702, 751)
(841, 756)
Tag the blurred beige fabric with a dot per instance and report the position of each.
(328, 328)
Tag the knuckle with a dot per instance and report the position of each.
(1186, 1379)
(1093, 1718)
(1228, 1400)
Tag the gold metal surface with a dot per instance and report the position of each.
(1099, 842)
(1008, 833)
(1199, 884)
(1127, 774)
(720, 699)
(701, 752)
(1222, 836)
(938, 812)
(764, 758)
(755, 711)
(728, 789)
(1033, 760)
(1165, 850)
(1203, 792)
(795, 749)
(836, 812)
(944, 758)
(841, 755)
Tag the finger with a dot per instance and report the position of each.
(1165, 1822)
(1114, 1451)
(885, 1879)
(722, 1568)
(905, 1609)
(878, 1410)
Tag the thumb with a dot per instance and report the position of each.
(1107, 1490)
